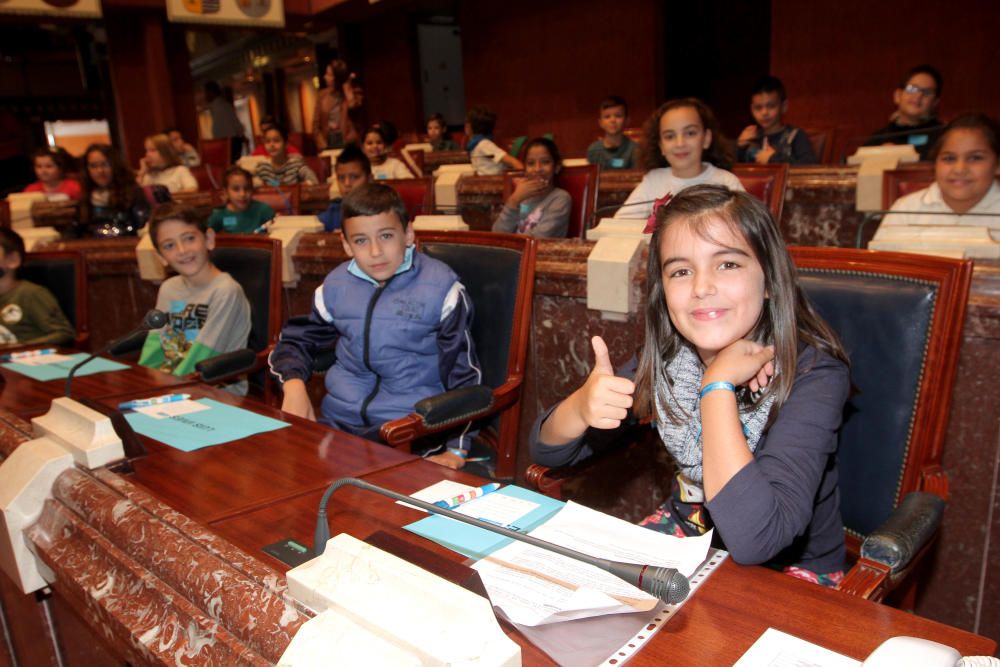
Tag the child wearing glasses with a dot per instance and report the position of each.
(915, 121)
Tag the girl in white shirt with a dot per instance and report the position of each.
(966, 167)
(683, 147)
(383, 166)
(162, 166)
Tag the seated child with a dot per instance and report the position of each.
(185, 151)
(400, 320)
(536, 206)
(162, 166)
(437, 134)
(29, 314)
(351, 171)
(683, 147)
(382, 165)
(265, 125)
(284, 167)
(743, 381)
(487, 158)
(207, 310)
(242, 214)
(614, 150)
(51, 164)
(914, 122)
(769, 140)
(966, 166)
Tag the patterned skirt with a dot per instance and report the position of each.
(682, 517)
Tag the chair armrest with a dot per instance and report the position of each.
(457, 405)
(129, 344)
(911, 526)
(324, 360)
(226, 365)
(438, 413)
(894, 548)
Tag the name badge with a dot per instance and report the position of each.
(617, 163)
(229, 222)
(918, 139)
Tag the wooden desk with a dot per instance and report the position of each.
(27, 397)
(222, 480)
(716, 626)
(128, 564)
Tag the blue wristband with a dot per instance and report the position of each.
(712, 386)
(458, 452)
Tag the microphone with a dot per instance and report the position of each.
(614, 207)
(664, 583)
(154, 319)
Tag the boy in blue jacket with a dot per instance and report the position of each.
(401, 324)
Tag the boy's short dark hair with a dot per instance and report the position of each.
(236, 170)
(481, 120)
(437, 118)
(175, 211)
(769, 84)
(352, 153)
(11, 242)
(373, 199)
(612, 101)
(930, 71)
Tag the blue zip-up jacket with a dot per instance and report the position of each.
(396, 343)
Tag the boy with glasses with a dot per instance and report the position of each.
(914, 121)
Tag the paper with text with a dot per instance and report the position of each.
(534, 586)
(778, 649)
(165, 410)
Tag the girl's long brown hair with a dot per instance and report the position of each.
(786, 320)
(719, 152)
(123, 187)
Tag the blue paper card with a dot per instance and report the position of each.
(188, 432)
(478, 543)
(61, 369)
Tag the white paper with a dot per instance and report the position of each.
(534, 586)
(497, 507)
(174, 409)
(41, 359)
(778, 649)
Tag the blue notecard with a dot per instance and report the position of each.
(61, 369)
(478, 543)
(188, 432)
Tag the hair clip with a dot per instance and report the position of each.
(657, 205)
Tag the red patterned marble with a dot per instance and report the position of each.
(13, 431)
(253, 609)
(138, 614)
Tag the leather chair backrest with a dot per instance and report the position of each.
(884, 323)
(581, 184)
(58, 275)
(214, 152)
(417, 194)
(490, 276)
(251, 268)
(759, 186)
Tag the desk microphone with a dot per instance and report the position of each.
(612, 208)
(664, 583)
(154, 319)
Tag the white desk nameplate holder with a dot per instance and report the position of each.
(403, 608)
(612, 265)
(68, 434)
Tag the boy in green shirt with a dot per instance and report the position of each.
(242, 214)
(207, 310)
(29, 314)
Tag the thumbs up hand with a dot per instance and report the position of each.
(604, 399)
(602, 402)
(765, 152)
